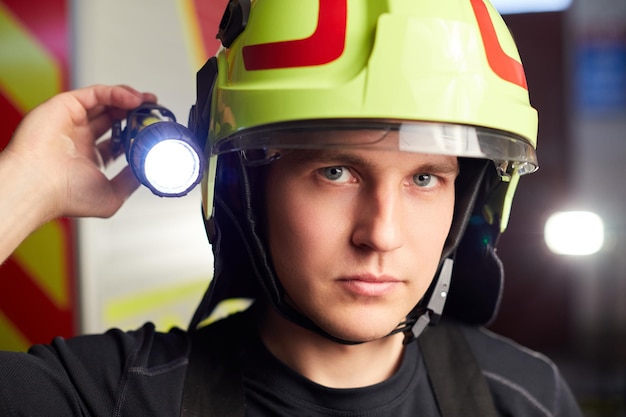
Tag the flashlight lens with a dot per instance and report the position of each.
(172, 166)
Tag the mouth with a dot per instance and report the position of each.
(369, 285)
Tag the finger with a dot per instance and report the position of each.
(96, 96)
(115, 100)
(120, 93)
(112, 197)
(124, 184)
(101, 118)
(149, 98)
(91, 102)
(100, 124)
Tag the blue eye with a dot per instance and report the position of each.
(425, 180)
(335, 173)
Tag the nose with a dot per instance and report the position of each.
(378, 220)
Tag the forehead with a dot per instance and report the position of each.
(335, 142)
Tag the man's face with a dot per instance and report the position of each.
(356, 234)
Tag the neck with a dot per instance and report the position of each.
(329, 363)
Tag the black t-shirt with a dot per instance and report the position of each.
(274, 389)
(141, 373)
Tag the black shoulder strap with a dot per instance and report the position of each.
(458, 382)
(213, 384)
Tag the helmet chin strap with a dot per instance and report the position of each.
(434, 309)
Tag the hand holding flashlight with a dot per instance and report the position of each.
(52, 165)
(163, 154)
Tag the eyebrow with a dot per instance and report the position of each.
(340, 158)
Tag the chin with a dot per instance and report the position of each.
(361, 330)
(364, 336)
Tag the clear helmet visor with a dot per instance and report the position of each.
(264, 144)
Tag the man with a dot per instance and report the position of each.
(363, 155)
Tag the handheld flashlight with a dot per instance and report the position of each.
(163, 154)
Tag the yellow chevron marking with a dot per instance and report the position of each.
(12, 338)
(166, 306)
(225, 308)
(191, 29)
(28, 73)
(42, 256)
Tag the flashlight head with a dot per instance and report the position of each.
(166, 158)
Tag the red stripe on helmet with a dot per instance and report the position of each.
(325, 45)
(503, 65)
